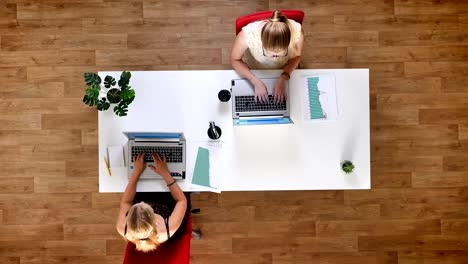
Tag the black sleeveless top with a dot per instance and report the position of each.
(163, 204)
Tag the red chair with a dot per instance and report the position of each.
(296, 15)
(175, 251)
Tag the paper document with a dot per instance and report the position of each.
(319, 102)
(210, 164)
(115, 156)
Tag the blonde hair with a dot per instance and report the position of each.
(141, 227)
(276, 33)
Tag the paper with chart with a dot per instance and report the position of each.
(210, 165)
(319, 102)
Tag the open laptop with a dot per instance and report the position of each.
(170, 145)
(245, 111)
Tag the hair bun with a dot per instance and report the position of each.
(275, 19)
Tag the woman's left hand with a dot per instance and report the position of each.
(279, 93)
(139, 164)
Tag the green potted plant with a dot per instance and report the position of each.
(347, 166)
(106, 94)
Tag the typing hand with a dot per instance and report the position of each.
(161, 165)
(279, 93)
(261, 92)
(139, 164)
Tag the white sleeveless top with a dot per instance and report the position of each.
(254, 57)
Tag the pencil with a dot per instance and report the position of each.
(107, 166)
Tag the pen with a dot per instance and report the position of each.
(107, 166)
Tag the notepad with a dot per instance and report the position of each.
(115, 156)
(201, 173)
(320, 98)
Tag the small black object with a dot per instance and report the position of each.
(214, 132)
(224, 95)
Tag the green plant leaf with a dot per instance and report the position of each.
(348, 167)
(121, 109)
(127, 93)
(92, 78)
(93, 91)
(91, 101)
(124, 79)
(109, 81)
(102, 104)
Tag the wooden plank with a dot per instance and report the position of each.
(381, 69)
(440, 179)
(30, 168)
(13, 74)
(180, 40)
(391, 180)
(342, 39)
(16, 185)
(378, 227)
(70, 121)
(90, 231)
(75, 248)
(219, 245)
(32, 90)
(89, 137)
(320, 54)
(423, 210)
(43, 137)
(463, 132)
(20, 248)
(406, 54)
(79, 10)
(31, 232)
(229, 199)
(316, 212)
(41, 26)
(117, 25)
(81, 168)
(391, 23)
(33, 42)
(456, 163)
(195, 9)
(433, 257)
(106, 200)
(425, 37)
(10, 260)
(43, 106)
(454, 227)
(230, 258)
(394, 116)
(224, 214)
(439, 100)
(437, 147)
(325, 257)
(293, 244)
(70, 216)
(158, 56)
(115, 247)
(443, 115)
(455, 84)
(7, 11)
(44, 201)
(437, 68)
(406, 85)
(414, 132)
(47, 58)
(71, 259)
(65, 185)
(427, 7)
(408, 195)
(47, 153)
(20, 121)
(339, 7)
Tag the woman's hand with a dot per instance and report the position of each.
(261, 92)
(161, 165)
(139, 164)
(279, 91)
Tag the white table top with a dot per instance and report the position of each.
(301, 156)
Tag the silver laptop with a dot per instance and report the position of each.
(245, 111)
(170, 145)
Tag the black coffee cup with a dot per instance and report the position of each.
(224, 95)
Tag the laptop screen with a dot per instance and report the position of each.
(152, 135)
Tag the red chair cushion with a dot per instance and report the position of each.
(174, 251)
(296, 15)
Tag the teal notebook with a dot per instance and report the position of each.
(201, 173)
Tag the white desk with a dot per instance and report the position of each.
(302, 156)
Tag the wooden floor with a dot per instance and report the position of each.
(417, 52)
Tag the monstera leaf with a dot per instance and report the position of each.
(91, 96)
(121, 109)
(124, 79)
(92, 79)
(127, 94)
(102, 104)
(109, 81)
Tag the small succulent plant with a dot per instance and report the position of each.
(347, 166)
(121, 96)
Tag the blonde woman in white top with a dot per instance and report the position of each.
(275, 43)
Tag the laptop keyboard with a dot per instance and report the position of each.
(173, 154)
(246, 103)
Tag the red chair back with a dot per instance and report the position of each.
(296, 15)
(175, 251)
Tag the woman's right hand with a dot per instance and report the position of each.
(261, 92)
(161, 165)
